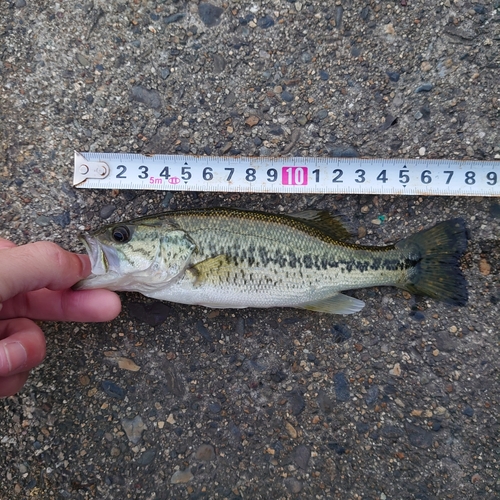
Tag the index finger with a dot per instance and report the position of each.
(39, 265)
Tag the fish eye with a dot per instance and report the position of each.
(121, 234)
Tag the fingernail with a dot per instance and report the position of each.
(14, 357)
(86, 267)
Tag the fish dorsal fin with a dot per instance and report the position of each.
(337, 304)
(208, 267)
(325, 222)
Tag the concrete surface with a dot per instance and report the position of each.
(399, 401)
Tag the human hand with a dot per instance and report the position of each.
(35, 281)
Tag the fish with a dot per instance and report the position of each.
(232, 258)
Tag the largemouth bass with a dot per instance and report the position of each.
(228, 258)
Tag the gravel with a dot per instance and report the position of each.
(397, 401)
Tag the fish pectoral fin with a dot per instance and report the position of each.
(325, 222)
(337, 304)
(202, 270)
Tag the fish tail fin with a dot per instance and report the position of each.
(436, 253)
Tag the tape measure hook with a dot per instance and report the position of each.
(85, 169)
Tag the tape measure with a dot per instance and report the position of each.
(287, 175)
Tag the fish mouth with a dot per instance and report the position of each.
(98, 258)
(104, 264)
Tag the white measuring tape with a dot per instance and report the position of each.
(287, 175)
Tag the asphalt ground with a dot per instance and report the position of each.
(399, 401)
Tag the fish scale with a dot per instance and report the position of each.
(235, 258)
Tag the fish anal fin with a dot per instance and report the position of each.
(325, 222)
(336, 304)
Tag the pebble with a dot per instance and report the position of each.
(371, 395)
(215, 407)
(391, 432)
(181, 477)
(147, 457)
(343, 152)
(426, 111)
(127, 364)
(355, 51)
(167, 199)
(393, 76)
(164, 73)
(468, 411)
(240, 322)
(134, 428)
(339, 12)
(341, 333)
(425, 66)
(495, 210)
(292, 432)
(113, 390)
(149, 97)
(297, 403)
(418, 316)
(475, 478)
(286, 96)
(342, 391)
(219, 63)
(292, 485)
(365, 13)
(83, 60)
(337, 448)
(251, 121)
(107, 211)
(306, 57)
(203, 331)
(389, 121)
(63, 219)
(396, 370)
(321, 114)
(422, 151)
(20, 4)
(362, 427)
(43, 220)
(174, 18)
(323, 75)
(210, 14)
(425, 87)
(398, 101)
(205, 453)
(484, 267)
(226, 147)
(324, 401)
(361, 232)
(453, 329)
(301, 456)
(265, 22)
(418, 437)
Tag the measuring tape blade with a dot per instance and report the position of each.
(287, 175)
